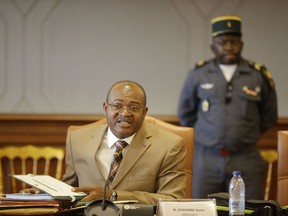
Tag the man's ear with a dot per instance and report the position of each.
(212, 47)
(242, 45)
(105, 107)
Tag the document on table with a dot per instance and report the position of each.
(56, 188)
(27, 196)
(28, 207)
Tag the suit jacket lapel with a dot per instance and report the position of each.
(93, 145)
(137, 147)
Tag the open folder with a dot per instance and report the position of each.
(56, 188)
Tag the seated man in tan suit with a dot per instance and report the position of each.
(153, 159)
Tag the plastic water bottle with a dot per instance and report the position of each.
(236, 195)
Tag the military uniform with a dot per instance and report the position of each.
(228, 118)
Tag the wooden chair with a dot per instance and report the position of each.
(282, 169)
(27, 159)
(186, 133)
(270, 156)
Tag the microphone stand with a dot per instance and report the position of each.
(102, 207)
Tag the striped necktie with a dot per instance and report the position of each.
(117, 158)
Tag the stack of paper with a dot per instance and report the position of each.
(28, 207)
(56, 188)
(27, 196)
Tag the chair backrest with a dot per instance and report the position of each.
(282, 171)
(28, 159)
(187, 134)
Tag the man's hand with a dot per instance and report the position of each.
(94, 193)
(30, 191)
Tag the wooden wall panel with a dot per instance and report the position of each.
(18, 129)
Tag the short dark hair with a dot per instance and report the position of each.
(129, 82)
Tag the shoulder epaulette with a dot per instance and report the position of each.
(200, 64)
(265, 73)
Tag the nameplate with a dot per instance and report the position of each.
(201, 207)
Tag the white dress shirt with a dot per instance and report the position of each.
(228, 71)
(104, 155)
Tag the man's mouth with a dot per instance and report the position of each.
(229, 55)
(124, 122)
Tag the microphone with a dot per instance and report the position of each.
(106, 207)
(102, 207)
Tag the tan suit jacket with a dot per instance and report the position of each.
(152, 168)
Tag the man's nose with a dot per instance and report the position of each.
(125, 111)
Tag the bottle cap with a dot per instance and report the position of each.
(236, 173)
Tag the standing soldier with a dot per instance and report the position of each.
(230, 101)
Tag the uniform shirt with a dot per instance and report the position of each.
(233, 125)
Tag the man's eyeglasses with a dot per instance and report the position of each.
(119, 107)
